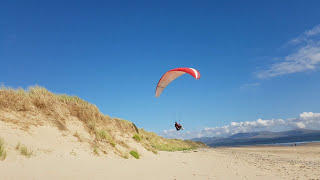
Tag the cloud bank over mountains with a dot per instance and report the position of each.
(306, 120)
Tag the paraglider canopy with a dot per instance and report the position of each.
(171, 75)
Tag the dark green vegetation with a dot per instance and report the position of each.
(137, 137)
(135, 154)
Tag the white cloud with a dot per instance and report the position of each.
(301, 125)
(306, 36)
(307, 120)
(314, 31)
(306, 57)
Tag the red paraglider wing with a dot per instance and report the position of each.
(171, 75)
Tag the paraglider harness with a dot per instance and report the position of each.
(178, 126)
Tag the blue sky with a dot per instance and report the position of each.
(258, 60)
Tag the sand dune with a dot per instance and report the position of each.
(57, 124)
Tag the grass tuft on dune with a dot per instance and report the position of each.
(96, 150)
(24, 150)
(136, 137)
(135, 154)
(3, 153)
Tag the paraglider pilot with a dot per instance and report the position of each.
(178, 126)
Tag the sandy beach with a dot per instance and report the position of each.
(301, 162)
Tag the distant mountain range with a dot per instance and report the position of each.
(263, 137)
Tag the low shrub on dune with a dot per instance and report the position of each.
(135, 154)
